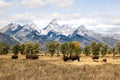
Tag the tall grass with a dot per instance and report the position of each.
(44, 70)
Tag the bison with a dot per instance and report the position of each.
(75, 57)
(65, 58)
(104, 60)
(32, 56)
(95, 58)
(14, 57)
(35, 57)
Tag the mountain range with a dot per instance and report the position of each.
(55, 32)
(7, 39)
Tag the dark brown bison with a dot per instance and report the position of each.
(35, 57)
(104, 60)
(28, 56)
(14, 57)
(32, 56)
(75, 57)
(65, 58)
(95, 58)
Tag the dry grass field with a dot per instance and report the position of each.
(47, 68)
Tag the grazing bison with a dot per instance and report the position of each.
(95, 58)
(35, 57)
(32, 56)
(28, 56)
(15, 57)
(75, 57)
(104, 60)
(65, 58)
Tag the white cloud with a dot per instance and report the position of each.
(1, 12)
(61, 3)
(4, 4)
(101, 24)
(43, 19)
(43, 3)
(108, 28)
(94, 21)
(116, 22)
(33, 3)
(3, 23)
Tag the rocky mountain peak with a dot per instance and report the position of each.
(81, 28)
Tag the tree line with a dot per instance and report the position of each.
(68, 48)
(27, 48)
(74, 48)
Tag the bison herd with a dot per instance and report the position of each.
(28, 56)
(32, 56)
(76, 57)
(15, 57)
(95, 59)
(65, 58)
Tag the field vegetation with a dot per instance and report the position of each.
(51, 66)
(47, 68)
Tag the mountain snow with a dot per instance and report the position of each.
(10, 27)
(19, 32)
(114, 36)
(54, 31)
(55, 27)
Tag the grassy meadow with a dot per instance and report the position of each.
(54, 68)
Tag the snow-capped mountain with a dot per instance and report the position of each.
(11, 28)
(7, 39)
(114, 36)
(54, 32)
(55, 27)
(81, 30)
(20, 33)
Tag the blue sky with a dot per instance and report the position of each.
(98, 15)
